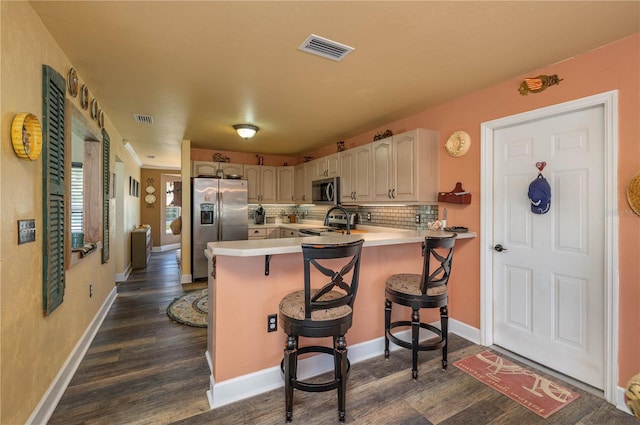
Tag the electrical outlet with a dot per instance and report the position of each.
(272, 323)
(90, 290)
(417, 218)
(368, 216)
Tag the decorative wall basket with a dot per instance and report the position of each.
(538, 84)
(458, 143)
(26, 136)
(633, 193)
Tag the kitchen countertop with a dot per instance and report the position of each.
(251, 248)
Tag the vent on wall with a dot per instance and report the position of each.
(326, 48)
(143, 119)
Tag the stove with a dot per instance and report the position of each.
(313, 232)
(336, 223)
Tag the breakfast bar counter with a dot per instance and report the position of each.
(291, 245)
(244, 358)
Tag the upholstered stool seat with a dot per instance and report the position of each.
(418, 291)
(321, 312)
(292, 306)
(405, 283)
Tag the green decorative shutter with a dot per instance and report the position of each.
(106, 175)
(53, 188)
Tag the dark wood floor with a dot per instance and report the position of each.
(142, 368)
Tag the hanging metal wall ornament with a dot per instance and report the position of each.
(538, 84)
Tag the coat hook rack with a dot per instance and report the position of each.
(540, 166)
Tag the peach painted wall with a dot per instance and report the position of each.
(243, 157)
(244, 297)
(613, 67)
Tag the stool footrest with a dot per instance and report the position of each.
(422, 346)
(313, 386)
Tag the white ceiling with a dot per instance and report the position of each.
(199, 67)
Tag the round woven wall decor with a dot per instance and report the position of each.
(26, 136)
(633, 193)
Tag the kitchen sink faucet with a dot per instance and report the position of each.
(346, 214)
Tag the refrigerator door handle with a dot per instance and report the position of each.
(218, 212)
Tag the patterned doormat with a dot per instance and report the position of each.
(537, 393)
(190, 309)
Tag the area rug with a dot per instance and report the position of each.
(190, 309)
(537, 393)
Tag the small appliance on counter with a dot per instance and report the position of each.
(259, 215)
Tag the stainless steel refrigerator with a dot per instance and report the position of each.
(219, 213)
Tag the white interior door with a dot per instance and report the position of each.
(549, 283)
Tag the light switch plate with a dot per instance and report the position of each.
(26, 231)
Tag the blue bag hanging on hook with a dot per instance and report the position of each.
(540, 195)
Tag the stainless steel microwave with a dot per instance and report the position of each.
(326, 191)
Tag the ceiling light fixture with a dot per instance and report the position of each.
(246, 131)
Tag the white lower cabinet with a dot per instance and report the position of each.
(288, 233)
(264, 233)
(257, 233)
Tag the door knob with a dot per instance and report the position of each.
(499, 248)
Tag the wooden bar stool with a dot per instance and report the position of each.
(318, 313)
(428, 290)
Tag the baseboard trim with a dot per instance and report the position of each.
(186, 278)
(163, 248)
(122, 277)
(43, 411)
(245, 386)
(465, 331)
(620, 403)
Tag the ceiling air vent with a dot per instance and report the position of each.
(143, 119)
(326, 48)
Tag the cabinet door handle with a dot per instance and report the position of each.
(393, 193)
(389, 194)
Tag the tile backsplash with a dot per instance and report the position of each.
(401, 217)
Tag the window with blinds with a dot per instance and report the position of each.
(77, 198)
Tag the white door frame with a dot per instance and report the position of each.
(609, 100)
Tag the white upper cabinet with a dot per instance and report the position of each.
(382, 163)
(209, 168)
(401, 168)
(286, 184)
(203, 168)
(355, 175)
(261, 183)
(298, 184)
(405, 167)
(230, 169)
(327, 166)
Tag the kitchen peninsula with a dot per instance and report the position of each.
(243, 357)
